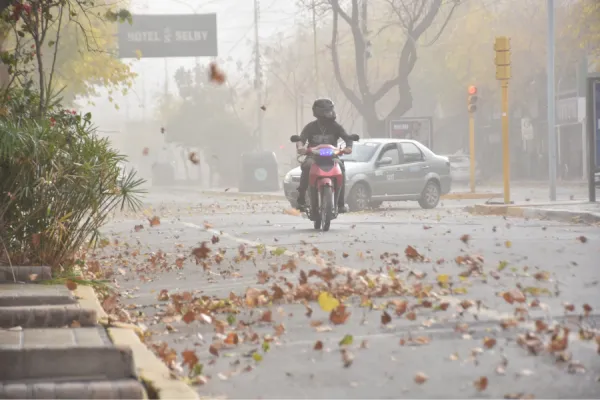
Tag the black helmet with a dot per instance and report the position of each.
(324, 109)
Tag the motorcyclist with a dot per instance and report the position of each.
(323, 130)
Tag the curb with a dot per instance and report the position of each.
(536, 212)
(470, 196)
(251, 195)
(152, 371)
(268, 196)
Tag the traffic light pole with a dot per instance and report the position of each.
(505, 142)
(472, 150)
(503, 74)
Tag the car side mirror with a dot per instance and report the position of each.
(295, 138)
(355, 137)
(384, 161)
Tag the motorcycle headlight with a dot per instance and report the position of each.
(287, 178)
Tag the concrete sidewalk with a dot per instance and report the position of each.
(53, 346)
(570, 211)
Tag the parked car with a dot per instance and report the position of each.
(460, 168)
(381, 170)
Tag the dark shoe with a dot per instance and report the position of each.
(342, 209)
(301, 202)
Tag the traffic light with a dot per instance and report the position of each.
(502, 60)
(472, 99)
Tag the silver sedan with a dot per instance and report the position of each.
(381, 170)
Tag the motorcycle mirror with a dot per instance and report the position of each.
(355, 137)
(295, 138)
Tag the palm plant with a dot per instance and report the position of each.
(59, 182)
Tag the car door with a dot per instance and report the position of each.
(413, 169)
(386, 176)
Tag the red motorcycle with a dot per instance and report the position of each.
(325, 181)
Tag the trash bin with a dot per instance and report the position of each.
(259, 172)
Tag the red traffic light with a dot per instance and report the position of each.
(472, 90)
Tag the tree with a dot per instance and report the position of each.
(75, 39)
(204, 116)
(413, 18)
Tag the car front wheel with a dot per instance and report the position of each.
(359, 198)
(430, 197)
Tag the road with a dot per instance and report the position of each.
(440, 332)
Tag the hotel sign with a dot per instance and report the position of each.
(160, 36)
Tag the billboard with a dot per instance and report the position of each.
(160, 36)
(418, 128)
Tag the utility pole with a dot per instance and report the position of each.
(503, 74)
(365, 34)
(551, 103)
(315, 52)
(471, 108)
(257, 75)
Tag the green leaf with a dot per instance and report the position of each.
(51, 43)
(231, 319)
(279, 251)
(197, 370)
(266, 346)
(257, 357)
(347, 340)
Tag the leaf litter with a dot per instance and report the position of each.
(332, 288)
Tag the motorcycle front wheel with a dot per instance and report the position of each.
(326, 207)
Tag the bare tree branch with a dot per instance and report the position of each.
(336, 63)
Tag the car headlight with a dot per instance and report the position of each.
(287, 178)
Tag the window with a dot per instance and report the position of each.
(391, 152)
(411, 153)
(361, 152)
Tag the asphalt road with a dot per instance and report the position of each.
(552, 263)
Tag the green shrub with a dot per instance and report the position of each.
(59, 182)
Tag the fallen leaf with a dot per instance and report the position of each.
(489, 342)
(154, 221)
(327, 302)
(318, 345)
(411, 316)
(267, 316)
(421, 378)
(214, 350)
(582, 239)
(386, 318)
(232, 338)
(201, 253)
(339, 315)
(347, 340)
(189, 358)
(215, 74)
(481, 384)
(71, 285)
(443, 279)
(264, 108)
(138, 228)
(412, 254)
(508, 244)
(465, 238)
(293, 212)
(189, 317)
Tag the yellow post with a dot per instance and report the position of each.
(472, 150)
(505, 142)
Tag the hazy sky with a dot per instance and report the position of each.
(235, 20)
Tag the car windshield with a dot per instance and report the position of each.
(361, 152)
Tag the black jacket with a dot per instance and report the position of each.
(330, 132)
